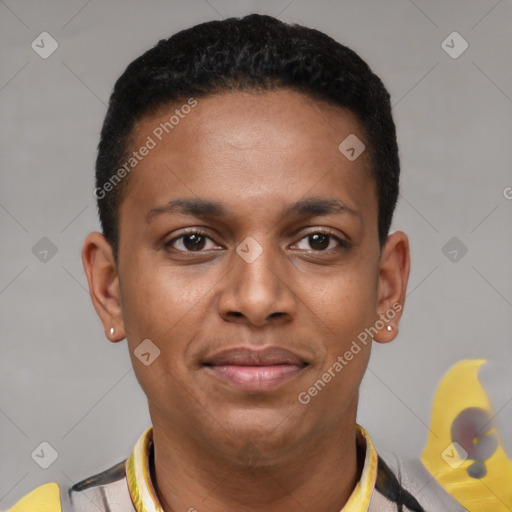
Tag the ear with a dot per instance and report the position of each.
(395, 264)
(100, 269)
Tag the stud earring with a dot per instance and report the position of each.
(111, 331)
(389, 328)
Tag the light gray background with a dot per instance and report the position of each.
(64, 383)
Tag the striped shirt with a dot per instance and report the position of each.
(127, 487)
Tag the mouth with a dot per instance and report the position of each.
(256, 370)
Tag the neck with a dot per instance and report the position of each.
(318, 475)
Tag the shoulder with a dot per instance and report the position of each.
(102, 492)
(106, 491)
(389, 494)
(414, 488)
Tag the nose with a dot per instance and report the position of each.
(258, 288)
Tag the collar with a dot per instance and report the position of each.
(145, 499)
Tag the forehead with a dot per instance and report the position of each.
(280, 119)
(270, 146)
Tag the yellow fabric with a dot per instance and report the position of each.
(458, 391)
(45, 498)
(359, 500)
(145, 499)
(138, 476)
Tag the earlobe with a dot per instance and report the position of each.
(393, 277)
(100, 269)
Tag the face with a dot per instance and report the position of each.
(249, 256)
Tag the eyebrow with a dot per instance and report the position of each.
(204, 208)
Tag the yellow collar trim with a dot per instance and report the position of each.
(141, 489)
(145, 498)
(359, 500)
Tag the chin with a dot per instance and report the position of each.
(257, 438)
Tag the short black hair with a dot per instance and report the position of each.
(253, 53)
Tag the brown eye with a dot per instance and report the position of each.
(193, 241)
(319, 241)
(322, 241)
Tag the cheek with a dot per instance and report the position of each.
(160, 299)
(167, 306)
(161, 306)
(347, 310)
(344, 310)
(348, 304)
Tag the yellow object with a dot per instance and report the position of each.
(45, 498)
(464, 452)
(359, 500)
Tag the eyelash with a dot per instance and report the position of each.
(342, 243)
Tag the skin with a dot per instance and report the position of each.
(219, 448)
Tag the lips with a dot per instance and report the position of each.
(243, 356)
(255, 370)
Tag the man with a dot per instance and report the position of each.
(246, 180)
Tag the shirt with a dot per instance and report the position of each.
(127, 486)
